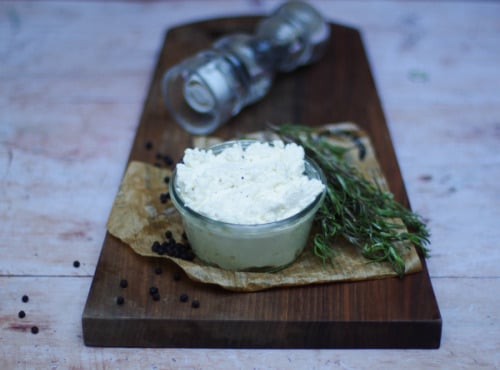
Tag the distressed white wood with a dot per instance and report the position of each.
(469, 340)
(73, 77)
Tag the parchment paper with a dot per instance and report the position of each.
(139, 218)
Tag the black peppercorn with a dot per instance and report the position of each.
(158, 270)
(153, 290)
(168, 160)
(155, 247)
(123, 283)
(164, 197)
(184, 297)
(187, 255)
(156, 296)
(21, 314)
(177, 276)
(148, 145)
(120, 300)
(76, 264)
(25, 298)
(34, 329)
(195, 304)
(172, 248)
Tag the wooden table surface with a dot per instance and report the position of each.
(73, 79)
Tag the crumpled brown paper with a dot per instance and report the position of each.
(139, 218)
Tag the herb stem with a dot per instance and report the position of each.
(356, 208)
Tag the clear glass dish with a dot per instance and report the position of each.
(263, 247)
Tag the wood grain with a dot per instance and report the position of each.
(389, 313)
(74, 79)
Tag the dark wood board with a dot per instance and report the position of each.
(387, 313)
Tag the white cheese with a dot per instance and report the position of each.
(254, 185)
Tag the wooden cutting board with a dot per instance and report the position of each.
(387, 313)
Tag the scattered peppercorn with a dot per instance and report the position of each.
(168, 160)
(156, 296)
(34, 329)
(25, 298)
(160, 249)
(188, 255)
(76, 264)
(168, 234)
(184, 297)
(177, 276)
(148, 145)
(164, 197)
(158, 270)
(123, 283)
(183, 252)
(21, 314)
(120, 300)
(165, 158)
(166, 179)
(153, 290)
(195, 304)
(173, 249)
(155, 247)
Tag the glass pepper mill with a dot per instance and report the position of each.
(207, 89)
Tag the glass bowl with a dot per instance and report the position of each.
(262, 247)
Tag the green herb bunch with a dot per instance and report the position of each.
(356, 208)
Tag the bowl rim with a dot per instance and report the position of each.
(316, 203)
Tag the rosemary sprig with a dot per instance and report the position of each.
(356, 208)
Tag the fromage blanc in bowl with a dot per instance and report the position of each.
(247, 205)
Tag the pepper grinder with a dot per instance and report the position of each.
(206, 90)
